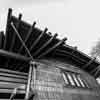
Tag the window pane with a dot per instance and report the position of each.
(86, 84)
(70, 79)
(81, 81)
(75, 79)
(65, 79)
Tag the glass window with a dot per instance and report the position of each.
(86, 84)
(75, 79)
(70, 79)
(65, 78)
(81, 81)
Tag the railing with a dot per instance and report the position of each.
(12, 82)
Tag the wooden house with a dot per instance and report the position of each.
(34, 63)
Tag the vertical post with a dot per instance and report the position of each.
(29, 82)
(31, 79)
(33, 83)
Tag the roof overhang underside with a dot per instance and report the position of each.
(41, 44)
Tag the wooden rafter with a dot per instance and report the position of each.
(46, 44)
(14, 35)
(90, 62)
(97, 71)
(52, 48)
(65, 54)
(14, 55)
(38, 39)
(8, 21)
(21, 40)
(1, 39)
(27, 37)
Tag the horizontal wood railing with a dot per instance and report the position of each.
(9, 80)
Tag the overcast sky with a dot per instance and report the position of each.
(78, 20)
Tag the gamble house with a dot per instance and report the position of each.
(36, 65)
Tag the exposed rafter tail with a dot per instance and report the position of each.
(8, 22)
(65, 54)
(14, 35)
(27, 37)
(38, 39)
(97, 71)
(93, 71)
(90, 62)
(52, 48)
(46, 44)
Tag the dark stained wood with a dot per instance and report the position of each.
(95, 71)
(47, 43)
(52, 48)
(38, 46)
(1, 39)
(13, 39)
(27, 37)
(28, 52)
(14, 35)
(14, 55)
(8, 22)
(90, 62)
(38, 39)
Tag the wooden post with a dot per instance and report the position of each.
(33, 83)
(29, 82)
(31, 79)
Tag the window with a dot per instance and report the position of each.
(70, 79)
(65, 78)
(74, 79)
(80, 80)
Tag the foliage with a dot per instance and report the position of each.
(95, 51)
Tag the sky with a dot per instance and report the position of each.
(78, 20)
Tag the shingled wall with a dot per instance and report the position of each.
(50, 84)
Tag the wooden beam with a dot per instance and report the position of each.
(38, 39)
(14, 55)
(52, 48)
(97, 71)
(27, 37)
(14, 35)
(90, 62)
(65, 53)
(21, 40)
(46, 44)
(8, 21)
(1, 38)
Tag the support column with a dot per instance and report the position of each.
(33, 83)
(31, 79)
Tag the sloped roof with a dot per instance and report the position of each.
(41, 44)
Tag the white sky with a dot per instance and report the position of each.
(78, 20)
